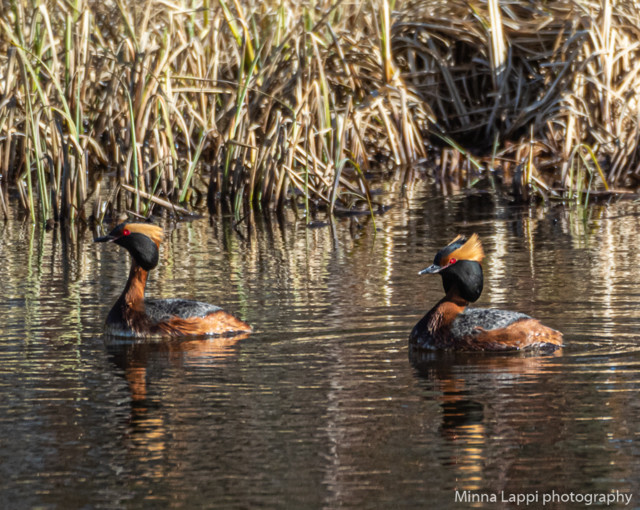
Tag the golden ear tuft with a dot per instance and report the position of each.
(471, 250)
(153, 232)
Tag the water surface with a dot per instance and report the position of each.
(322, 407)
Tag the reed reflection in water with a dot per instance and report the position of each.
(321, 407)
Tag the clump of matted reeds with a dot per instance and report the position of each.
(134, 105)
(110, 106)
(545, 90)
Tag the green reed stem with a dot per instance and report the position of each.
(134, 151)
(192, 166)
(367, 192)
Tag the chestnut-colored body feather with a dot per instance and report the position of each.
(134, 316)
(451, 325)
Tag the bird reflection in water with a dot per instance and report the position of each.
(474, 393)
(145, 365)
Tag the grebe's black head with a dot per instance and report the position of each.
(459, 265)
(141, 240)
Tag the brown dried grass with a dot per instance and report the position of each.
(561, 102)
(133, 105)
(116, 105)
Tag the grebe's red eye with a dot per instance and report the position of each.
(125, 232)
(452, 261)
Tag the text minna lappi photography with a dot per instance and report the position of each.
(529, 498)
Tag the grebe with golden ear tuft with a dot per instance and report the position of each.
(451, 325)
(133, 315)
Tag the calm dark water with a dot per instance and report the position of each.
(322, 407)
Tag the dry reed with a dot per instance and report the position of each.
(132, 105)
(118, 105)
(545, 91)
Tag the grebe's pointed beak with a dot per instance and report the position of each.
(104, 239)
(432, 269)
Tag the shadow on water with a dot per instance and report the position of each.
(321, 407)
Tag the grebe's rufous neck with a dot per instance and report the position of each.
(451, 325)
(133, 315)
